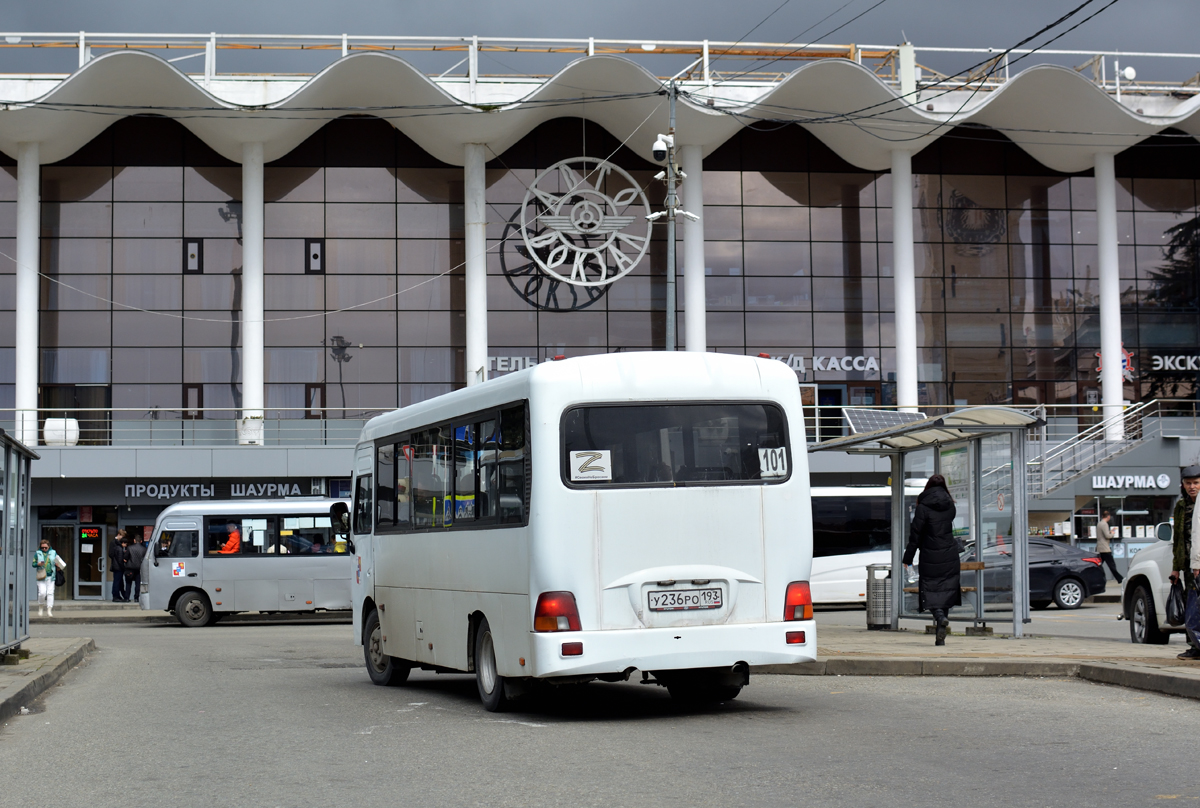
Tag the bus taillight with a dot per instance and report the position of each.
(797, 605)
(556, 611)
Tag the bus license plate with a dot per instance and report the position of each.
(678, 600)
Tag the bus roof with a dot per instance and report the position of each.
(612, 377)
(250, 506)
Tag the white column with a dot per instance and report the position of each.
(27, 302)
(903, 276)
(475, 215)
(252, 280)
(1112, 385)
(696, 333)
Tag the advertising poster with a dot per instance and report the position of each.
(956, 468)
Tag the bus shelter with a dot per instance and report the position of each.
(981, 453)
(15, 569)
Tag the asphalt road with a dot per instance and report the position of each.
(284, 715)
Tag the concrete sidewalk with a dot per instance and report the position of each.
(844, 651)
(49, 659)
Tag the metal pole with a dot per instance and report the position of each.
(1112, 362)
(27, 295)
(672, 205)
(904, 277)
(976, 506)
(1020, 533)
(898, 538)
(695, 336)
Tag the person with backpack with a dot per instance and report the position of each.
(1186, 555)
(45, 565)
(933, 534)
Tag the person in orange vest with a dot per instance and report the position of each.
(234, 543)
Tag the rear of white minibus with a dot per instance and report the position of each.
(671, 522)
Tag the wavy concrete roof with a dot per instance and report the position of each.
(1053, 113)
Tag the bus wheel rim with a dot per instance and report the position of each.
(375, 649)
(487, 663)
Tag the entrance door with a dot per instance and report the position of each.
(91, 557)
(830, 399)
(59, 537)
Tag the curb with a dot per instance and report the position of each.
(163, 618)
(1130, 676)
(1138, 679)
(876, 666)
(42, 681)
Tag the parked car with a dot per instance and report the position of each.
(1145, 589)
(1058, 573)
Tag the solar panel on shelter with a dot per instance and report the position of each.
(873, 420)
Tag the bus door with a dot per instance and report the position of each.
(362, 524)
(174, 561)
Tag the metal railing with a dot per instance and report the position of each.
(749, 62)
(206, 427)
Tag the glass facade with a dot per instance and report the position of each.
(360, 225)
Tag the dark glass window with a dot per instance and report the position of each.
(385, 481)
(513, 464)
(669, 445)
(177, 544)
(844, 525)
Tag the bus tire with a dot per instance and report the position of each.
(490, 683)
(384, 670)
(193, 610)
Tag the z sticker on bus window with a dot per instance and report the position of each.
(772, 462)
(178, 569)
(591, 466)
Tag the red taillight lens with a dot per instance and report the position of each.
(1093, 559)
(572, 649)
(556, 611)
(795, 638)
(797, 605)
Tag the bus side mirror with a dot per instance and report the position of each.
(339, 515)
(1164, 531)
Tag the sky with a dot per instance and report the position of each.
(1129, 25)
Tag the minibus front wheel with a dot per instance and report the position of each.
(193, 610)
(384, 670)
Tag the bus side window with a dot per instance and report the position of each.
(362, 505)
(486, 507)
(431, 486)
(514, 485)
(464, 474)
(403, 486)
(178, 544)
(385, 477)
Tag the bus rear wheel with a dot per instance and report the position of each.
(384, 670)
(490, 683)
(193, 610)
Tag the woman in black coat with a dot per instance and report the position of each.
(933, 534)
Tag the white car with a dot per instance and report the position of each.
(1145, 589)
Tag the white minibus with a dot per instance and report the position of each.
(207, 560)
(585, 518)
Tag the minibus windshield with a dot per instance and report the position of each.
(674, 444)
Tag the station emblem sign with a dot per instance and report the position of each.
(582, 225)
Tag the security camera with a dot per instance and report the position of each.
(661, 144)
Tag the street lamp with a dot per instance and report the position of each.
(337, 349)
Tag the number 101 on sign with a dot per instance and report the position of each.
(772, 462)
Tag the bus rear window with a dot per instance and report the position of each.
(675, 444)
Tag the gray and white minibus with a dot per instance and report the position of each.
(585, 518)
(210, 559)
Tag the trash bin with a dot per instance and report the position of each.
(879, 596)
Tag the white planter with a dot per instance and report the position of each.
(61, 432)
(250, 431)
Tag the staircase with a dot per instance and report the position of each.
(1053, 467)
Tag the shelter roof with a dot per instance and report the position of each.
(949, 428)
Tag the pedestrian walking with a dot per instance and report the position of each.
(45, 565)
(116, 567)
(1103, 543)
(137, 552)
(1187, 555)
(932, 533)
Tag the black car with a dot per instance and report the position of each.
(1058, 573)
